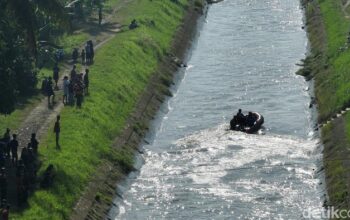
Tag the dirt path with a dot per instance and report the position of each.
(40, 119)
(344, 7)
(347, 4)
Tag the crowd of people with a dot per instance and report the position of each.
(21, 163)
(87, 54)
(76, 86)
(24, 166)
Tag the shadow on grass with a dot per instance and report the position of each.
(63, 187)
(94, 29)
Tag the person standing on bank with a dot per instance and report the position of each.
(57, 130)
(73, 74)
(50, 92)
(79, 92)
(7, 139)
(86, 82)
(14, 146)
(34, 143)
(71, 100)
(66, 83)
(55, 76)
(87, 54)
(83, 54)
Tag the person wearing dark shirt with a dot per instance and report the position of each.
(79, 92)
(73, 74)
(239, 113)
(34, 143)
(240, 117)
(75, 54)
(14, 147)
(86, 82)
(238, 120)
(92, 53)
(2, 158)
(25, 155)
(250, 119)
(55, 76)
(57, 130)
(6, 139)
(3, 183)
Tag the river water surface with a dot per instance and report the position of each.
(193, 168)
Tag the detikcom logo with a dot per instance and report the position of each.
(329, 213)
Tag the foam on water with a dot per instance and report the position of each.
(226, 173)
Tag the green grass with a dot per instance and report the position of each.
(121, 71)
(336, 167)
(69, 41)
(331, 71)
(332, 86)
(347, 129)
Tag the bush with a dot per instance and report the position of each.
(198, 3)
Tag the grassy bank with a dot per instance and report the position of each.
(332, 81)
(122, 69)
(328, 26)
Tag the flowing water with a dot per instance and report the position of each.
(193, 168)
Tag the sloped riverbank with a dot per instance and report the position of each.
(327, 24)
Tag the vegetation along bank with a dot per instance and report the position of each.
(328, 27)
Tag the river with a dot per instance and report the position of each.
(193, 168)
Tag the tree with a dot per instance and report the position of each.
(16, 68)
(25, 14)
(18, 45)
